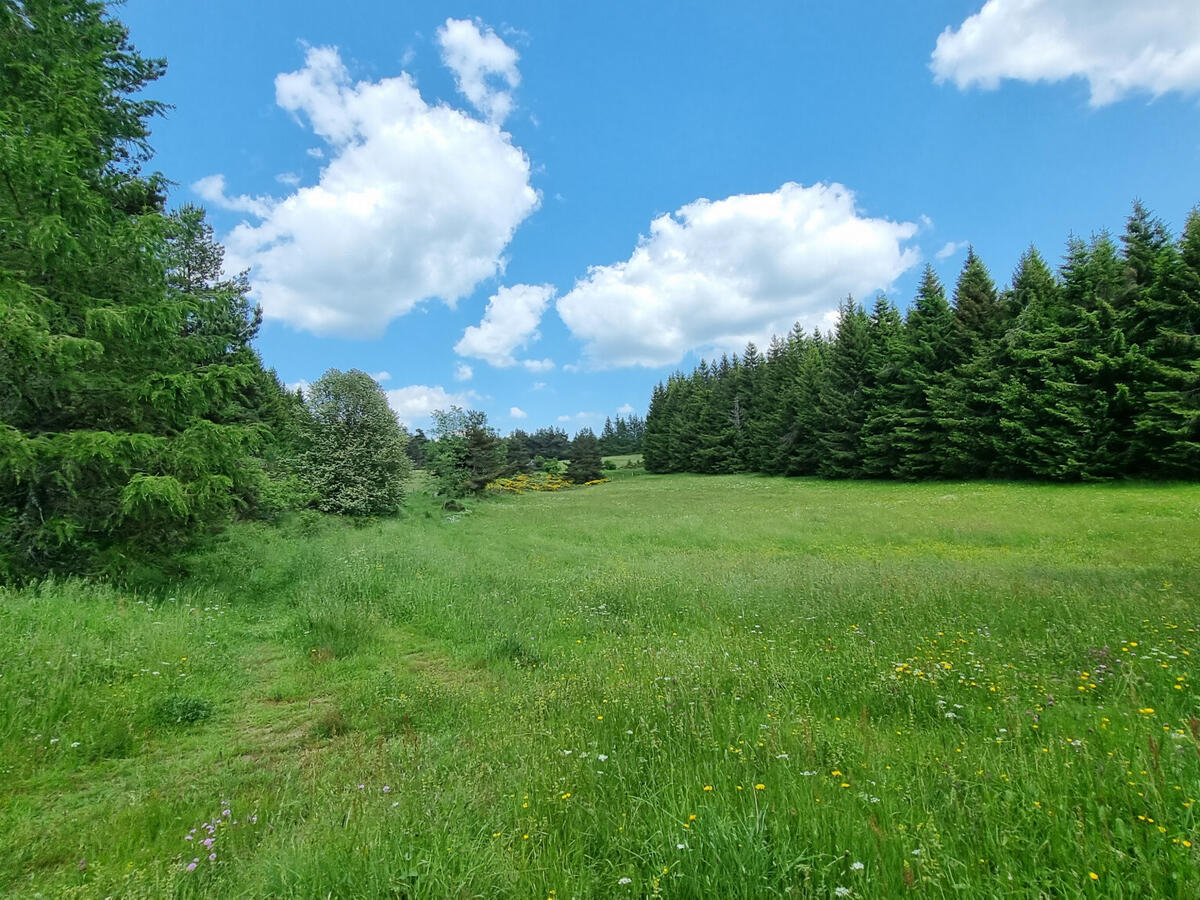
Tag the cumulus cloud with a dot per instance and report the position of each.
(484, 67)
(211, 189)
(413, 202)
(626, 410)
(509, 323)
(1119, 46)
(382, 376)
(716, 274)
(538, 365)
(517, 413)
(414, 403)
(950, 249)
(463, 372)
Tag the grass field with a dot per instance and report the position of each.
(663, 685)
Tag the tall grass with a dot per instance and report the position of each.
(670, 686)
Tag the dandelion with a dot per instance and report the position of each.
(760, 787)
(1146, 710)
(708, 787)
(1093, 876)
(566, 796)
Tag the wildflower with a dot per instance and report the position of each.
(842, 891)
(212, 857)
(692, 817)
(708, 787)
(601, 757)
(1093, 876)
(679, 846)
(567, 796)
(624, 881)
(857, 866)
(1146, 710)
(192, 865)
(760, 787)
(386, 788)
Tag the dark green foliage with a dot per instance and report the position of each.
(517, 453)
(550, 442)
(585, 458)
(1162, 311)
(180, 710)
(415, 448)
(466, 454)
(122, 393)
(931, 351)
(965, 402)
(1091, 375)
(842, 397)
(353, 455)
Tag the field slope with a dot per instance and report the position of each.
(664, 685)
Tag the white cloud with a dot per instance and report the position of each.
(580, 417)
(315, 152)
(1119, 46)
(626, 410)
(414, 202)
(509, 323)
(484, 67)
(517, 413)
(539, 385)
(415, 402)
(382, 376)
(538, 365)
(463, 372)
(716, 274)
(211, 189)
(300, 385)
(951, 248)
(291, 179)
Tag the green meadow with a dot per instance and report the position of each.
(665, 686)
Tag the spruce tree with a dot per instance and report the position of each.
(116, 433)
(842, 403)
(880, 453)
(1168, 425)
(965, 400)
(931, 350)
(585, 463)
(802, 419)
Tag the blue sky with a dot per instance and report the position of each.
(541, 209)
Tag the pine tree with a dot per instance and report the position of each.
(965, 401)
(930, 351)
(116, 439)
(842, 403)
(802, 419)
(1168, 426)
(881, 456)
(585, 464)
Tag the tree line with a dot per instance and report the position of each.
(1090, 372)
